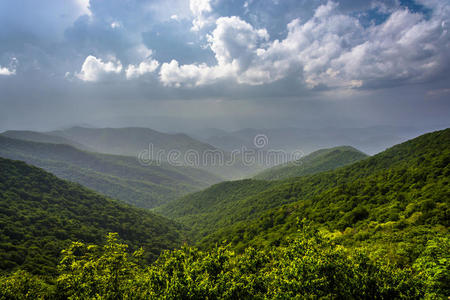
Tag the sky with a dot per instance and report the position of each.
(177, 65)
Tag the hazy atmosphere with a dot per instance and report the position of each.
(184, 65)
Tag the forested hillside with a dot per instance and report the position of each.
(318, 161)
(41, 214)
(209, 210)
(394, 201)
(119, 177)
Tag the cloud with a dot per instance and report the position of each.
(235, 40)
(94, 69)
(330, 49)
(199, 7)
(234, 43)
(172, 74)
(115, 24)
(7, 72)
(201, 10)
(84, 7)
(44, 19)
(147, 66)
(11, 69)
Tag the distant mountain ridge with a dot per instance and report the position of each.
(34, 136)
(130, 141)
(119, 177)
(179, 148)
(318, 161)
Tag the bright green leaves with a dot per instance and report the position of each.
(311, 266)
(434, 267)
(88, 272)
(22, 285)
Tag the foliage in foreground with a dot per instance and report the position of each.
(309, 267)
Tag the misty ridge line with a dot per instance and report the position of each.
(248, 157)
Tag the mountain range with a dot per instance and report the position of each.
(381, 222)
(40, 137)
(393, 201)
(120, 177)
(175, 148)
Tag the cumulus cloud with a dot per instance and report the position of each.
(330, 49)
(95, 69)
(201, 10)
(235, 44)
(172, 74)
(147, 66)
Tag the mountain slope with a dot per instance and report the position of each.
(404, 189)
(205, 211)
(40, 214)
(213, 208)
(392, 203)
(318, 161)
(40, 137)
(120, 177)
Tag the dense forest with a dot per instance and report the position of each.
(41, 214)
(393, 202)
(403, 189)
(215, 207)
(120, 177)
(374, 229)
